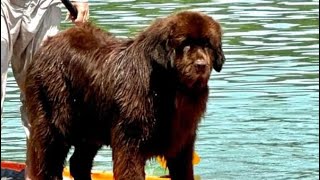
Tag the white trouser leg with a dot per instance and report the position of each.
(6, 52)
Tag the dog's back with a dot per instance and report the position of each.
(63, 75)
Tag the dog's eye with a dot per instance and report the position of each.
(184, 46)
(185, 43)
(186, 49)
(206, 43)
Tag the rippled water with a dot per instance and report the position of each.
(262, 121)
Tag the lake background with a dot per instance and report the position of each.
(262, 120)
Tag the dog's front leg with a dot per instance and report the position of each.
(81, 160)
(128, 161)
(180, 167)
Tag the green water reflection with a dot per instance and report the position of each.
(262, 119)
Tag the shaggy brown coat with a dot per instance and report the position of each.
(144, 96)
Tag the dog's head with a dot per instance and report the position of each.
(189, 42)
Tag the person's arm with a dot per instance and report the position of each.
(82, 7)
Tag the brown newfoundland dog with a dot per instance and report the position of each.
(143, 96)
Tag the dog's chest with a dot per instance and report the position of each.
(187, 114)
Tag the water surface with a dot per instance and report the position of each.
(262, 120)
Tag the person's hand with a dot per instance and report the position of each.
(83, 12)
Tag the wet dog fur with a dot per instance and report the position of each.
(143, 97)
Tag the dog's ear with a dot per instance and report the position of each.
(216, 42)
(163, 53)
(218, 59)
(158, 40)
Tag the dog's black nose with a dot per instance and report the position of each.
(201, 65)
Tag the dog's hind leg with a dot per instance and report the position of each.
(46, 152)
(82, 159)
(49, 119)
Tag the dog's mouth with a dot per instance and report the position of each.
(194, 76)
(199, 84)
(197, 81)
(201, 81)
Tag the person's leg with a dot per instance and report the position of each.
(5, 56)
(35, 28)
(10, 27)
